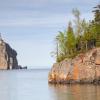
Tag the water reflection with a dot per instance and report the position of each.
(33, 85)
(75, 92)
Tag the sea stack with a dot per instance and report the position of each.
(8, 56)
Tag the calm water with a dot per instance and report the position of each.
(33, 85)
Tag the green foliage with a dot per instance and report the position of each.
(77, 21)
(61, 39)
(71, 42)
(61, 46)
(85, 36)
(97, 24)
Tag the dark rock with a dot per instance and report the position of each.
(8, 56)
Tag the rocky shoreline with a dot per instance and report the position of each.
(84, 68)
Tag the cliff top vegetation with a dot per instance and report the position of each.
(84, 36)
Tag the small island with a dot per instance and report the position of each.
(78, 52)
(8, 57)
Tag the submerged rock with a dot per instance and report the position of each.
(85, 68)
(8, 56)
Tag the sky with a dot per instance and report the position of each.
(30, 26)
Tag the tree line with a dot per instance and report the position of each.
(84, 36)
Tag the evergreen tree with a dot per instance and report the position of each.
(71, 42)
(61, 46)
(85, 37)
(89, 36)
(96, 23)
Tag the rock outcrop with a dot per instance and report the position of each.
(85, 68)
(8, 56)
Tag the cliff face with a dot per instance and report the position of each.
(85, 68)
(8, 56)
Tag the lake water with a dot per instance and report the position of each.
(33, 85)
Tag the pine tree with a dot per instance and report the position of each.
(61, 46)
(71, 42)
(96, 23)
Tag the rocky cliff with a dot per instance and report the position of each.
(8, 56)
(85, 68)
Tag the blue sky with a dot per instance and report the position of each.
(30, 26)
